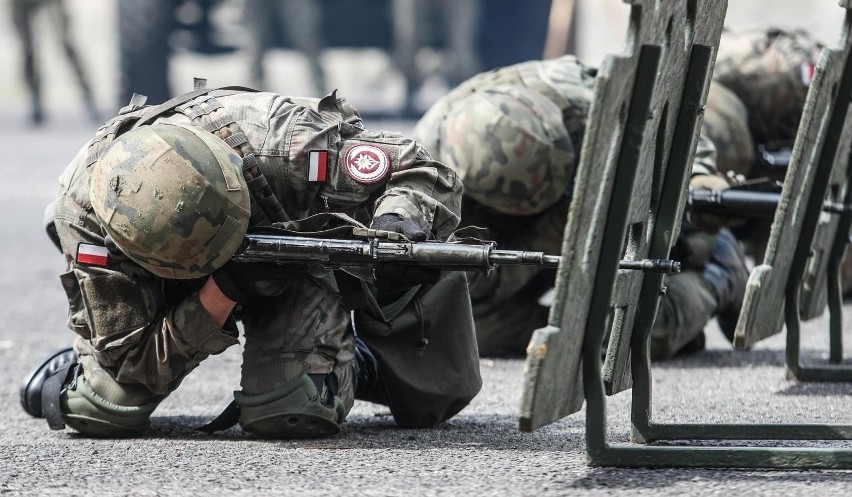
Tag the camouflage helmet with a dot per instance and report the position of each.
(726, 125)
(510, 149)
(172, 198)
(770, 71)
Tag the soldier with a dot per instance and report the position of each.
(302, 21)
(760, 83)
(148, 216)
(23, 17)
(513, 135)
(460, 20)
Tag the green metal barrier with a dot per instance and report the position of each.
(636, 154)
(801, 270)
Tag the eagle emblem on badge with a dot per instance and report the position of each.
(367, 163)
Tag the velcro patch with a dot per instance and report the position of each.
(366, 164)
(317, 166)
(92, 255)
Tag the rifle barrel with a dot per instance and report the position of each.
(745, 203)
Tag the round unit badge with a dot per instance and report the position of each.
(366, 163)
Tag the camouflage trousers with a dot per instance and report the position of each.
(504, 328)
(304, 329)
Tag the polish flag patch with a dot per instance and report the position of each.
(92, 255)
(317, 166)
(808, 70)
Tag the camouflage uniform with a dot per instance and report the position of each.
(141, 334)
(506, 302)
(769, 70)
(760, 83)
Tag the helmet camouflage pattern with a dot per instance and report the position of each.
(770, 71)
(172, 198)
(510, 149)
(726, 125)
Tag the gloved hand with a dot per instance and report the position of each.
(708, 222)
(397, 224)
(241, 280)
(397, 278)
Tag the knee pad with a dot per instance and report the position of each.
(296, 410)
(90, 414)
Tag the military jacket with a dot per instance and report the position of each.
(316, 157)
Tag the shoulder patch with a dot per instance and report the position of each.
(366, 163)
(92, 255)
(317, 166)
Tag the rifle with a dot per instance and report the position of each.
(738, 202)
(370, 247)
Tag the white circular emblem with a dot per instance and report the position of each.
(366, 163)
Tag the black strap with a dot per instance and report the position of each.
(226, 419)
(50, 393)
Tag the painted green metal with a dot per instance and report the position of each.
(827, 136)
(632, 129)
(800, 272)
(591, 309)
(636, 128)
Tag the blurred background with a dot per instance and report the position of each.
(80, 60)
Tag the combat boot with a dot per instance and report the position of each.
(69, 399)
(306, 407)
(368, 379)
(34, 380)
(727, 273)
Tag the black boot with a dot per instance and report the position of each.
(34, 381)
(368, 378)
(727, 273)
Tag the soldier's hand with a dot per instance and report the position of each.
(397, 224)
(397, 278)
(708, 222)
(393, 279)
(240, 281)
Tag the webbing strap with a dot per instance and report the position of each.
(226, 419)
(154, 112)
(52, 390)
(104, 136)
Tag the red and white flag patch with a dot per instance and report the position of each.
(318, 166)
(367, 163)
(808, 70)
(92, 255)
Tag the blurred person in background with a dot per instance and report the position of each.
(299, 19)
(24, 14)
(150, 32)
(413, 28)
